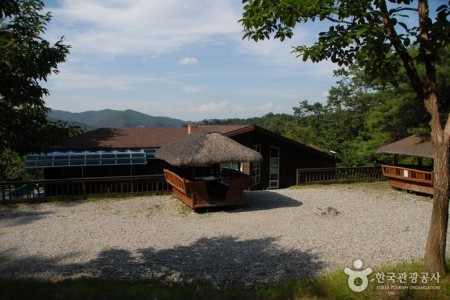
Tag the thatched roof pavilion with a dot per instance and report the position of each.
(414, 145)
(204, 148)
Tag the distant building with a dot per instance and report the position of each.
(108, 152)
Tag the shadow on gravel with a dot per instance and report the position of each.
(223, 262)
(15, 217)
(257, 200)
(263, 200)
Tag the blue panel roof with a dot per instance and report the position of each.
(58, 159)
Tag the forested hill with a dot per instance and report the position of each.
(90, 120)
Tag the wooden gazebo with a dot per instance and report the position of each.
(191, 155)
(406, 178)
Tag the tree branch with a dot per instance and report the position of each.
(425, 45)
(401, 50)
(338, 21)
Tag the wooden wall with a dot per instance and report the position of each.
(292, 156)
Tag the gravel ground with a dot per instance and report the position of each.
(274, 237)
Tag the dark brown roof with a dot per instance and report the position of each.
(142, 138)
(413, 145)
(202, 148)
(125, 138)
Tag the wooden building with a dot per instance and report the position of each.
(130, 152)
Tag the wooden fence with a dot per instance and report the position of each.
(81, 187)
(334, 175)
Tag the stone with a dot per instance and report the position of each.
(332, 211)
(320, 212)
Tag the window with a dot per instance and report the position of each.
(256, 168)
(274, 167)
(231, 165)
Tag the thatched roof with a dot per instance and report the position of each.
(203, 148)
(413, 145)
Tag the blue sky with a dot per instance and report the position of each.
(177, 58)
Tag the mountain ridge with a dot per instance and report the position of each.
(110, 118)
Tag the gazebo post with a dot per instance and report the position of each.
(193, 172)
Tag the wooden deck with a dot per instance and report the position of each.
(409, 179)
(208, 192)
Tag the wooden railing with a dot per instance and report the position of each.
(334, 175)
(80, 187)
(409, 174)
(409, 179)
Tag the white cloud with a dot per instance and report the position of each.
(269, 106)
(73, 80)
(241, 108)
(188, 61)
(191, 89)
(210, 107)
(143, 27)
(325, 94)
(279, 55)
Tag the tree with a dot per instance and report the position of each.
(373, 34)
(361, 115)
(26, 59)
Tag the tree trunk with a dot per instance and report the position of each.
(434, 259)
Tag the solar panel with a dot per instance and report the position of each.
(86, 158)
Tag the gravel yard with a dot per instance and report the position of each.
(275, 237)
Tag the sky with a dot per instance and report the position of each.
(176, 58)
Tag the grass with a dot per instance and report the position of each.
(331, 286)
(95, 198)
(382, 185)
(183, 209)
(63, 200)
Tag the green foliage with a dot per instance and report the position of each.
(11, 166)
(26, 59)
(361, 115)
